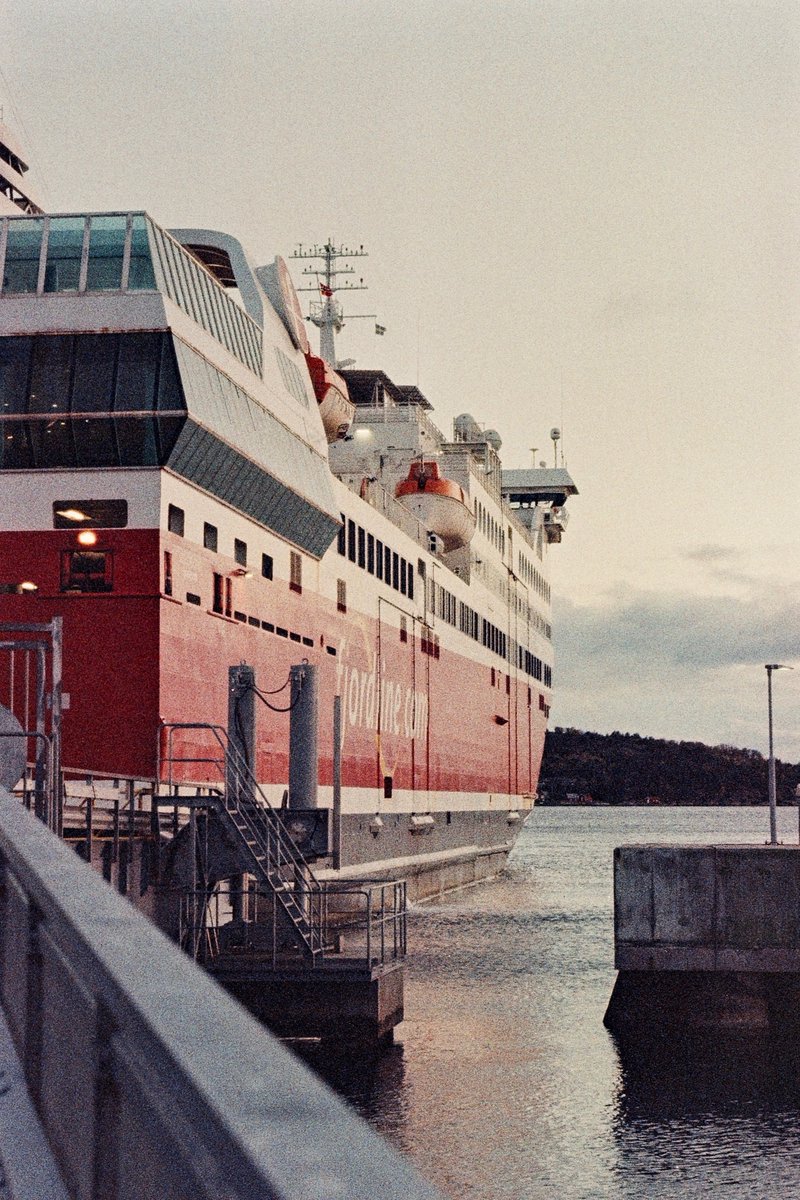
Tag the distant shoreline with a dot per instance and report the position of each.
(660, 804)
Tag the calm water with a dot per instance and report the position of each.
(504, 1084)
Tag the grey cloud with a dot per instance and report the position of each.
(649, 631)
(710, 552)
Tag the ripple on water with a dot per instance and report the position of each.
(506, 1086)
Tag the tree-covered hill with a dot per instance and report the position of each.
(624, 768)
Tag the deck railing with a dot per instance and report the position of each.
(148, 1079)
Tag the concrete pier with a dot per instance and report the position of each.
(347, 1004)
(706, 938)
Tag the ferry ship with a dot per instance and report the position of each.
(189, 486)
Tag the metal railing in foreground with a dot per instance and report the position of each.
(365, 919)
(149, 1080)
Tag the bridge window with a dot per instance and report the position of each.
(64, 254)
(21, 270)
(106, 252)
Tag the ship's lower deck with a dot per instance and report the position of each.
(456, 850)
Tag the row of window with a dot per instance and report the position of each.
(489, 527)
(86, 400)
(93, 571)
(176, 523)
(195, 290)
(292, 379)
(369, 552)
(533, 578)
(519, 604)
(112, 253)
(372, 555)
(88, 373)
(75, 254)
(443, 604)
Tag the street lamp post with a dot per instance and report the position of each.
(773, 817)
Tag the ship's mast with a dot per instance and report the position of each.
(326, 312)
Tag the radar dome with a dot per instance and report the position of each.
(467, 428)
(493, 438)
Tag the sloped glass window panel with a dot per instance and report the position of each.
(136, 440)
(50, 375)
(52, 443)
(95, 443)
(170, 392)
(106, 252)
(15, 357)
(137, 372)
(23, 249)
(141, 276)
(64, 250)
(95, 355)
(169, 429)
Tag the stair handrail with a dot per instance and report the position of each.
(263, 822)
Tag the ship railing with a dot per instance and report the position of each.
(273, 857)
(378, 414)
(30, 689)
(384, 502)
(365, 922)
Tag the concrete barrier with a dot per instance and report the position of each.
(148, 1079)
(706, 936)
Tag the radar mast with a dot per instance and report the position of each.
(326, 312)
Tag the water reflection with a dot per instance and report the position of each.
(375, 1085)
(719, 1075)
(703, 1116)
(505, 1085)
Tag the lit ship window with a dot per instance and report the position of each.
(87, 571)
(95, 514)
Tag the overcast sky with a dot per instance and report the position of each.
(580, 213)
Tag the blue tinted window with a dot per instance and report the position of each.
(64, 251)
(106, 251)
(21, 269)
(141, 276)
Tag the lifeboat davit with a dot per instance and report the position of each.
(335, 406)
(440, 504)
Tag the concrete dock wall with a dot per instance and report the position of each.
(707, 908)
(706, 938)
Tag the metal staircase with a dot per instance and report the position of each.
(267, 851)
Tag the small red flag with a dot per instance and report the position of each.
(326, 291)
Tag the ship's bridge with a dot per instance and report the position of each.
(538, 485)
(542, 490)
(118, 348)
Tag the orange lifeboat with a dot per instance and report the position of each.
(335, 406)
(440, 504)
